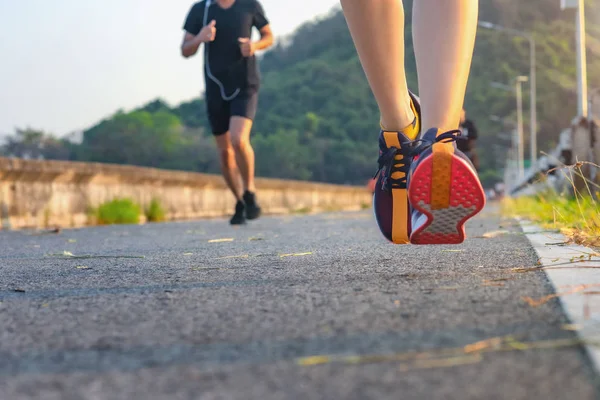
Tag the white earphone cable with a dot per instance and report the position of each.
(207, 64)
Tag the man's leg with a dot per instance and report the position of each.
(244, 154)
(219, 112)
(240, 128)
(229, 168)
(231, 175)
(243, 111)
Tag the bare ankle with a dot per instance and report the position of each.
(399, 120)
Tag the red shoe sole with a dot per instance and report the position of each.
(446, 189)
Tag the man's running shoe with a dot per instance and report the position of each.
(239, 217)
(253, 211)
(390, 199)
(443, 190)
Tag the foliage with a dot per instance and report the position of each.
(317, 118)
(118, 211)
(36, 144)
(155, 211)
(576, 211)
(137, 138)
(578, 217)
(489, 177)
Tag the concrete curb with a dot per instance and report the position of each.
(574, 272)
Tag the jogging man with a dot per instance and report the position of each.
(426, 188)
(469, 134)
(232, 84)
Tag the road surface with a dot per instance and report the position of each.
(289, 307)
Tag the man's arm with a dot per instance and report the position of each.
(195, 33)
(261, 22)
(266, 38)
(191, 42)
(248, 47)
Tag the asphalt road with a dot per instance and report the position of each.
(293, 307)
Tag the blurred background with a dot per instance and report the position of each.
(104, 81)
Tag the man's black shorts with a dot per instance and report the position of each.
(220, 111)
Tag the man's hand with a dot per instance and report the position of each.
(208, 33)
(247, 47)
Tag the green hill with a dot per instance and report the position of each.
(317, 119)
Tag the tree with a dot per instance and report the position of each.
(137, 138)
(36, 144)
(317, 118)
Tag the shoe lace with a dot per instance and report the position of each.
(420, 145)
(394, 162)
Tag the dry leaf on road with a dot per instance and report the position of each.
(221, 240)
(295, 254)
(493, 234)
(229, 257)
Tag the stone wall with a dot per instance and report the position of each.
(61, 193)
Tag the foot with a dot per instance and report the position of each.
(238, 218)
(253, 211)
(443, 190)
(390, 200)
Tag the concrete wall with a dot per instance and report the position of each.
(60, 193)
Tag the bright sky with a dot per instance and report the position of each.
(66, 64)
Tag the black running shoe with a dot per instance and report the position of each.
(238, 218)
(253, 211)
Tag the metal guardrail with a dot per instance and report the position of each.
(578, 143)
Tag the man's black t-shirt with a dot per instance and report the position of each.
(225, 57)
(469, 132)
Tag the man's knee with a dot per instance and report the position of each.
(240, 132)
(227, 156)
(240, 143)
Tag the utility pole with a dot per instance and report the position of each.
(518, 141)
(533, 101)
(520, 145)
(532, 77)
(582, 99)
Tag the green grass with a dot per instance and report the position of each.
(302, 210)
(118, 211)
(155, 212)
(578, 217)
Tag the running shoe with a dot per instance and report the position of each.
(390, 199)
(239, 218)
(253, 211)
(443, 190)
